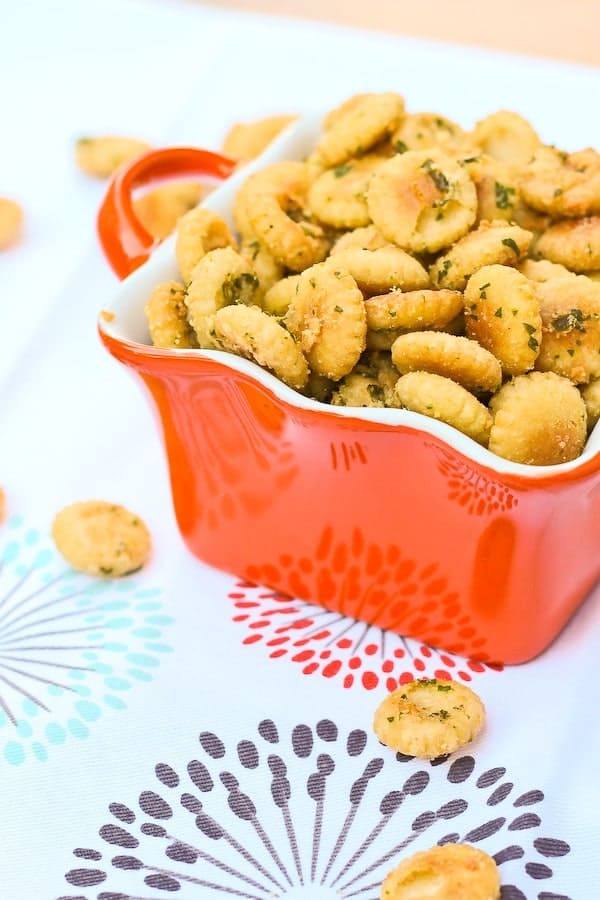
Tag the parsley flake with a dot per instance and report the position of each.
(375, 391)
(438, 178)
(571, 320)
(342, 170)
(503, 196)
(444, 270)
(508, 242)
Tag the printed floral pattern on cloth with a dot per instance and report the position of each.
(71, 646)
(315, 811)
(339, 647)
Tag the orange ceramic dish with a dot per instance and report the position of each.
(381, 514)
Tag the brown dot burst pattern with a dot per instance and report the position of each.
(313, 810)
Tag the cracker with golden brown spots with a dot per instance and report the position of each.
(160, 209)
(429, 717)
(413, 310)
(422, 200)
(490, 244)
(11, 222)
(540, 419)
(591, 398)
(101, 156)
(246, 140)
(198, 232)
(367, 238)
(507, 137)
(498, 194)
(250, 332)
(574, 244)
(502, 313)
(275, 210)
(327, 316)
(220, 278)
(101, 538)
(443, 399)
(425, 130)
(357, 125)
(562, 184)
(454, 357)
(166, 314)
(450, 872)
(376, 271)
(570, 310)
(338, 196)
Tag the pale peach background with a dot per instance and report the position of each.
(560, 29)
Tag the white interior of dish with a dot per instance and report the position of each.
(129, 325)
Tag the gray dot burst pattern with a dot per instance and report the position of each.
(314, 812)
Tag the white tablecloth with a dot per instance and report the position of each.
(179, 732)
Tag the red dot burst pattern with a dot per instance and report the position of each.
(339, 647)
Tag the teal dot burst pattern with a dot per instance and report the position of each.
(72, 647)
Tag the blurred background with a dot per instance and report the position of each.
(563, 29)
(183, 72)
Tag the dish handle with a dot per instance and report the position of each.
(124, 240)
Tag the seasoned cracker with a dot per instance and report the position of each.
(570, 310)
(413, 310)
(591, 398)
(101, 538)
(160, 209)
(11, 222)
(338, 196)
(357, 125)
(376, 271)
(327, 316)
(540, 419)
(166, 314)
(278, 298)
(502, 313)
(250, 332)
(507, 137)
(247, 140)
(425, 130)
(198, 232)
(275, 210)
(574, 244)
(490, 244)
(220, 278)
(449, 872)
(422, 200)
(443, 399)
(458, 358)
(429, 717)
(101, 156)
